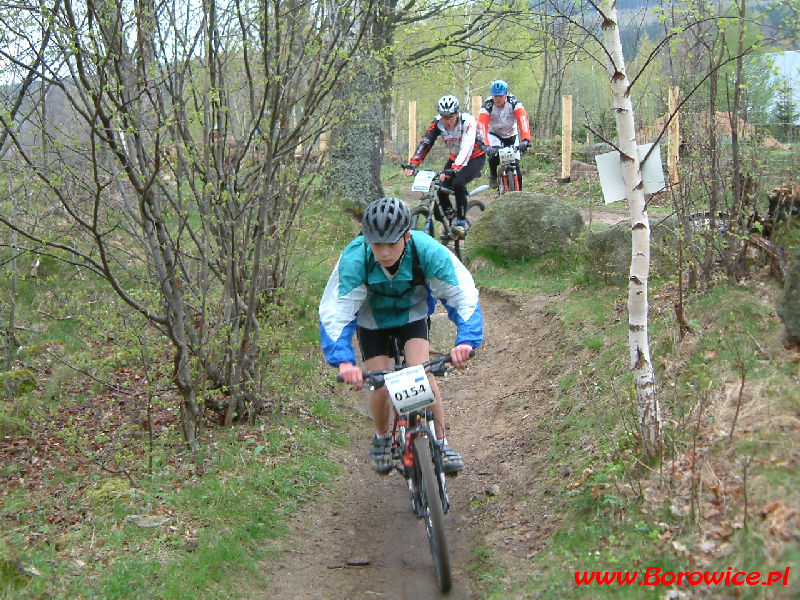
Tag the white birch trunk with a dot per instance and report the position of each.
(650, 423)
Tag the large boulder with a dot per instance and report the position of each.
(522, 225)
(608, 251)
(588, 153)
(789, 302)
(18, 381)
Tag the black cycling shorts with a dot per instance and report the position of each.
(378, 342)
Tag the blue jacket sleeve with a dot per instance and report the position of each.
(344, 294)
(451, 283)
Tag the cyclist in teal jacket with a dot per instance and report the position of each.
(387, 282)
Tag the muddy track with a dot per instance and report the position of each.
(361, 540)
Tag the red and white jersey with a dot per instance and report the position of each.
(504, 122)
(462, 140)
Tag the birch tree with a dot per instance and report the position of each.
(650, 421)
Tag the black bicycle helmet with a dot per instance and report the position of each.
(385, 221)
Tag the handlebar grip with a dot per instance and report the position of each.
(339, 378)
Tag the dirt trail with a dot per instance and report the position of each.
(364, 542)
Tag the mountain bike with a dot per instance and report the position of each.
(508, 179)
(430, 210)
(417, 454)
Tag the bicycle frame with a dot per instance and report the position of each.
(408, 426)
(428, 183)
(430, 198)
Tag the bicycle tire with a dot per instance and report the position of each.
(458, 244)
(513, 180)
(475, 204)
(434, 520)
(503, 188)
(419, 218)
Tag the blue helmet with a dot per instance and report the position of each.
(499, 87)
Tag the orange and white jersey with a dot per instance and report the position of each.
(504, 122)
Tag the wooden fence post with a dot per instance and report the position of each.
(674, 136)
(412, 127)
(566, 137)
(323, 147)
(476, 105)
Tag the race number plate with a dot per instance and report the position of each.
(508, 155)
(409, 389)
(422, 181)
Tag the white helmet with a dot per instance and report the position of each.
(448, 105)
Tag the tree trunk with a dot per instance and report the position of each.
(650, 422)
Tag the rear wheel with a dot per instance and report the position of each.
(419, 219)
(434, 515)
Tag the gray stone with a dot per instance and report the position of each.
(523, 225)
(608, 251)
(588, 153)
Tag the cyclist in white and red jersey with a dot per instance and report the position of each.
(502, 117)
(459, 133)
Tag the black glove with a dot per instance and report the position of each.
(523, 145)
(449, 173)
(490, 151)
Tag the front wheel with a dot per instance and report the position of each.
(434, 515)
(420, 220)
(509, 181)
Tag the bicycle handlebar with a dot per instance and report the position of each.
(434, 366)
(437, 184)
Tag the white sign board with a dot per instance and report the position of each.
(612, 182)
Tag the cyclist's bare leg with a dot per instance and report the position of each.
(417, 351)
(379, 406)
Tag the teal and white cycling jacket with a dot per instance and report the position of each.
(359, 292)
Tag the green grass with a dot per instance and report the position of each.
(545, 274)
(223, 510)
(230, 504)
(735, 335)
(240, 502)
